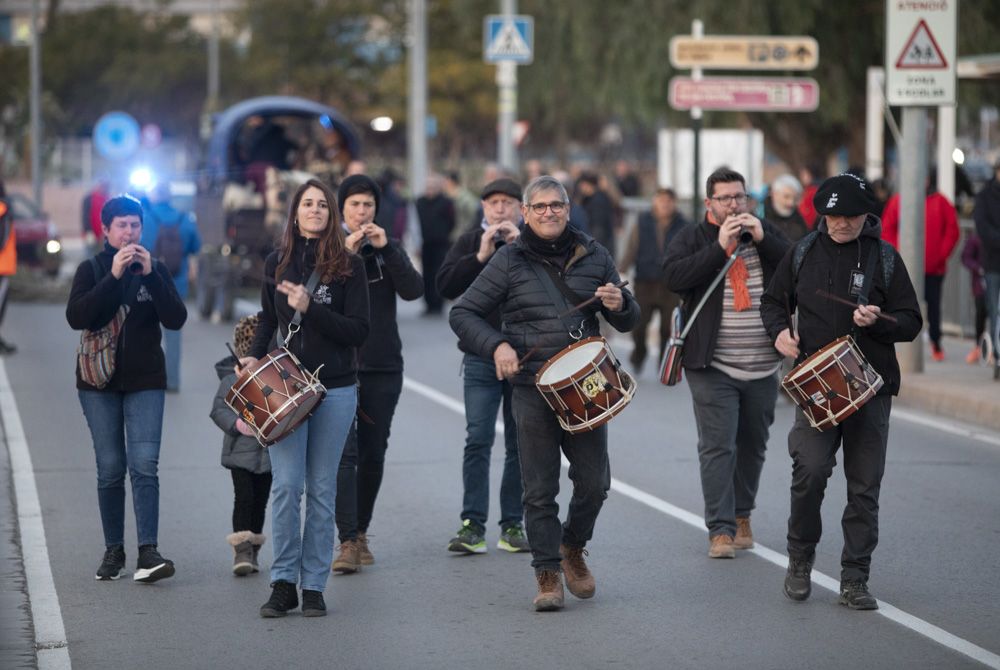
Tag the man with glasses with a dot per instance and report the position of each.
(484, 392)
(521, 281)
(730, 362)
(380, 369)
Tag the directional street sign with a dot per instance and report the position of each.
(745, 94)
(508, 38)
(744, 52)
(920, 52)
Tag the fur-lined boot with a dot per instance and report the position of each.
(243, 561)
(257, 540)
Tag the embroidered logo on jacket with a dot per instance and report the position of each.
(322, 294)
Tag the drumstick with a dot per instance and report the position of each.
(842, 301)
(788, 313)
(230, 347)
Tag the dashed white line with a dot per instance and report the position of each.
(887, 610)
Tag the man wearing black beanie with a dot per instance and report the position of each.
(844, 258)
(380, 369)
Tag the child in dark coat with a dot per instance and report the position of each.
(246, 460)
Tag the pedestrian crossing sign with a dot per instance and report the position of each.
(508, 38)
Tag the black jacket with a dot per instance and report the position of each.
(383, 351)
(93, 302)
(987, 217)
(528, 316)
(828, 266)
(437, 218)
(460, 269)
(239, 451)
(694, 258)
(333, 327)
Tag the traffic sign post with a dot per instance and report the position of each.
(744, 52)
(508, 41)
(746, 94)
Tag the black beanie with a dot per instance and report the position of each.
(357, 183)
(845, 195)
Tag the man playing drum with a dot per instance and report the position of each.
(521, 280)
(843, 261)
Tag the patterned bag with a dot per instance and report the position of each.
(98, 349)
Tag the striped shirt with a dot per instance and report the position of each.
(743, 349)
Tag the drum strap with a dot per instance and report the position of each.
(293, 327)
(560, 295)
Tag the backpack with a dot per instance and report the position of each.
(169, 246)
(802, 247)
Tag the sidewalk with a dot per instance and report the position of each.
(954, 389)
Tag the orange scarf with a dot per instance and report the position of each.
(737, 275)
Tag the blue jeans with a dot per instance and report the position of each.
(308, 459)
(734, 418)
(172, 355)
(125, 428)
(483, 396)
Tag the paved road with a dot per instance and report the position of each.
(660, 603)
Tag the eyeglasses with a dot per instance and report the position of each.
(739, 199)
(540, 207)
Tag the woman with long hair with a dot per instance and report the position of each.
(333, 325)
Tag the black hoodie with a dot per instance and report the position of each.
(334, 325)
(93, 302)
(828, 266)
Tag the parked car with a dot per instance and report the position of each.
(38, 242)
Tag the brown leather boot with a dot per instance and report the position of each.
(579, 579)
(348, 560)
(364, 551)
(721, 546)
(744, 536)
(550, 591)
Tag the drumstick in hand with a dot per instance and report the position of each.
(843, 301)
(239, 367)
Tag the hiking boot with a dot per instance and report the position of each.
(721, 546)
(513, 539)
(744, 536)
(283, 598)
(468, 540)
(367, 558)
(112, 565)
(243, 552)
(854, 594)
(313, 603)
(348, 560)
(550, 591)
(151, 567)
(798, 586)
(579, 579)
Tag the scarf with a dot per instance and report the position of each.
(737, 274)
(558, 250)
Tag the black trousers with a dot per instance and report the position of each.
(363, 461)
(863, 437)
(432, 256)
(250, 493)
(932, 295)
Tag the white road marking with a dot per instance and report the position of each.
(50, 634)
(887, 610)
(953, 427)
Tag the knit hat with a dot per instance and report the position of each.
(243, 334)
(505, 186)
(845, 195)
(358, 183)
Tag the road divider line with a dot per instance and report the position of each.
(952, 427)
(51, 647)
(887, 610)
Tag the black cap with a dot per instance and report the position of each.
(505, 186)
(358, 183)
(845, 195)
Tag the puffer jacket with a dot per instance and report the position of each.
(528, 316)
(239, 451)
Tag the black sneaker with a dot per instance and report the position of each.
(854, 594)
(798, 586)
(151, 567)
(284, 597)
(312, 603)
(112, 565)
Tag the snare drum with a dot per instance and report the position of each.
(585, 385)
(275, 395)
(833, 383)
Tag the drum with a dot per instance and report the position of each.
(833, 383)
(585, 385)
(275, 395)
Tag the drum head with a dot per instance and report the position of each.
(570, 361)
